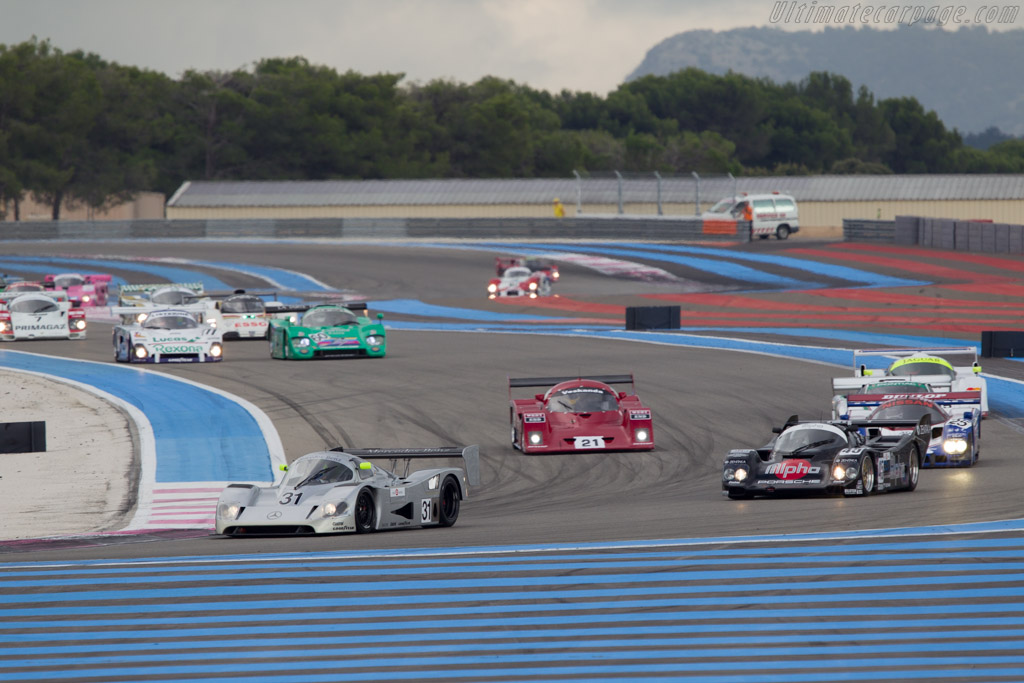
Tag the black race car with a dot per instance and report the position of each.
(852, 457)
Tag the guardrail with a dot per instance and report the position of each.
(939, 233)
(661, 229)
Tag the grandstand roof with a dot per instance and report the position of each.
(591, 190)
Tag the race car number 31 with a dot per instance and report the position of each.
(589, 442)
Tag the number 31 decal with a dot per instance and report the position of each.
(425, 510)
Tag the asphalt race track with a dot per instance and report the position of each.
(606, 520)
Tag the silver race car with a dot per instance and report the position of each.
(341, 490)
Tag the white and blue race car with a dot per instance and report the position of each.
(169, 335)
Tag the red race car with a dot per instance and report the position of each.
(536, 265)
(579, 414)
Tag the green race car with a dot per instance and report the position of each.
(326, 331)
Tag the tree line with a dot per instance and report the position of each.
(75, 127)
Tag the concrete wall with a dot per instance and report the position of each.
(814, 216)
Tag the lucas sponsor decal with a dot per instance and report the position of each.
(640, 415)
(534, 417)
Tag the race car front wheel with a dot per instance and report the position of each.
(364, 512)
(867, 474)
(448, 502)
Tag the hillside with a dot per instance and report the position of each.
(971, 77)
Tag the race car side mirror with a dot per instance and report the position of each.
(283, 468)
(976, 368)
(622, 394)
(539, 397)
(380, 316)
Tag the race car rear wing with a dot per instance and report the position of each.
(941, 352)
(469, 454)
(194, 286)
(922, 429)
(302, 308)
(552, 381)
(231, 292)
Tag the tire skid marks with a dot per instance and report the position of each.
(682, 610)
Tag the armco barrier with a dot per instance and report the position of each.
(939, 233)
(858, 230)
(604, 228)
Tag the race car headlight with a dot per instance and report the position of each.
(303, 342)
(533, 286)
(228, 511)
(4, 325)
(86, 298)
(533, 295)
(729, 475)
(535, 438)
(741, 473)
(374, 340)
(212, 323)
(839, 472)
(434, 482)
(954, 446)
(492, 288)
(333, 510)
(216, 350)
(141, 317)
(141, 352)
(79, 324)
(642, 435)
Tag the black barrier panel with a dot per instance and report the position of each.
(1002, 344)
(652, 317)
(22, 437)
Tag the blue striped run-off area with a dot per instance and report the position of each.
(851, 607)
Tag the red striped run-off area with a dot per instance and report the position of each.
(970, 293)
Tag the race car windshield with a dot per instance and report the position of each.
(170, 322)
(34, 306)
(328, 317)
(317, 471)
(895, 388)
(807, 441)
(536, 264)
(518, 271)
(908, 411)
(248, 304)
(172, 297)
(923, 368)
(65, 281)
(582, 400)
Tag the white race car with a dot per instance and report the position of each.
(923, 366)
(341, 491)
(520, 281)
(237, 316)
(40, 315)
(135, 302)
(167, 335)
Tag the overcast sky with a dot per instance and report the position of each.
(578, 45)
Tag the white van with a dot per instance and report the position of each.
(773, 214)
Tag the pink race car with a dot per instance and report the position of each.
(82, 290)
